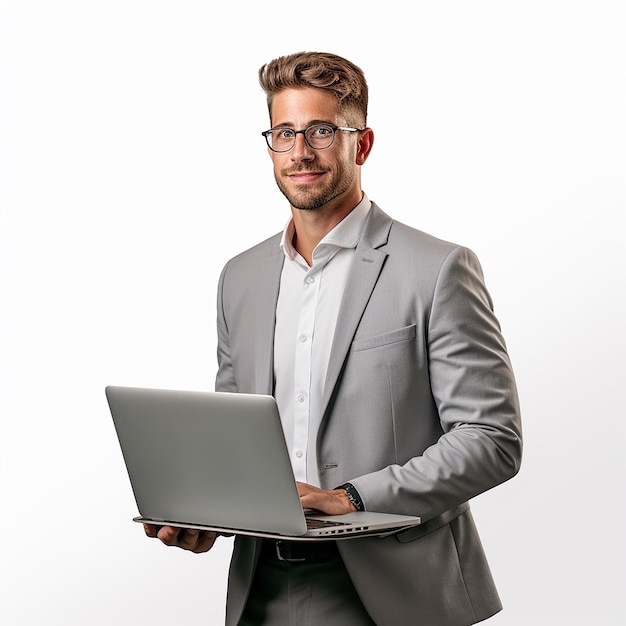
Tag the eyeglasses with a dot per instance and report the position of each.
(317, 136)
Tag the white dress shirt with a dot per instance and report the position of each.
(306, 315)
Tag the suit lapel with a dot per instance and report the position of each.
(364, 273)
(366, 267)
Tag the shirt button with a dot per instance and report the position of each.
(300, 398)
(302, 338)
(299, 454)
(310, 280)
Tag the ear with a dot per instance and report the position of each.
(364, 145)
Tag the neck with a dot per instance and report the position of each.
(311, 226)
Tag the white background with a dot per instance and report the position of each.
(132, 168)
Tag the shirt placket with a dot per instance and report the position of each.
(302, 372)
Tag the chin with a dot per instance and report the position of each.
(305, 202)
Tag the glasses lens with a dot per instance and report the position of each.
(320, 136)
(281, 139)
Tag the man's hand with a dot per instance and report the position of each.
(186, 538)
(331, 502)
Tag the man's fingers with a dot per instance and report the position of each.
(330, 501)
(169, 535)
(205, 541)
(188, 539)
(151, 530)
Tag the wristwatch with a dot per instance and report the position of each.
(353, 496)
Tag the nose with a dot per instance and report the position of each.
(301, 150)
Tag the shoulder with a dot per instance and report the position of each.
(411, 245)
(256, 256)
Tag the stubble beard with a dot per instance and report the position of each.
(312, 199)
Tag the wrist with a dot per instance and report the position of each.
(353, 496)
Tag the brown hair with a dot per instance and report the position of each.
(321, 70)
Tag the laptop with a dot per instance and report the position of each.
(219, 461)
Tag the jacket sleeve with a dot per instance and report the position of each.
(475, 395)
(225, 378)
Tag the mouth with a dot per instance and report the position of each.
(305, 176)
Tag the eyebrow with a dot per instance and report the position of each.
(310, 123)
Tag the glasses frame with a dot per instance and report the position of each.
(267, 134)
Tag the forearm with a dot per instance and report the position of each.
(462, 464)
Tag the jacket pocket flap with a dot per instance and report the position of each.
(415, 532)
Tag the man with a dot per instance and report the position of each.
(381, 347)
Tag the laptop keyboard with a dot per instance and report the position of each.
(313, 523)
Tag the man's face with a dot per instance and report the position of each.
(310, 178)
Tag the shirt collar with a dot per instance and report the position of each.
(345, 235)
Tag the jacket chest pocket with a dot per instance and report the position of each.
(407, 333)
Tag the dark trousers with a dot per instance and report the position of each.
(316, 591)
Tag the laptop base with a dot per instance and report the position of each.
(332, 533)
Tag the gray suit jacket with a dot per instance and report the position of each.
(420, 414)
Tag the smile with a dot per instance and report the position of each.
(304, 177)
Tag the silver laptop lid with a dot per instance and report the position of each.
(211, 458)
